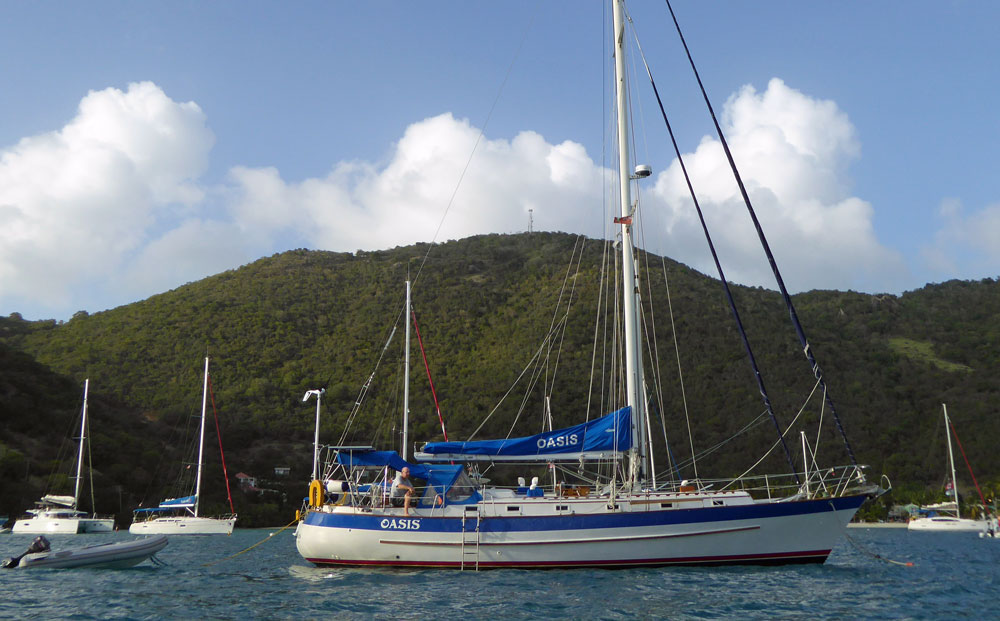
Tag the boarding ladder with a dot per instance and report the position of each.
(470, 538)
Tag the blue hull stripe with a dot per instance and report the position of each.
(653, 517)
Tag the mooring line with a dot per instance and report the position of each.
(268, 538)
(873, 555)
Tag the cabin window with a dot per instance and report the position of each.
(666, 505)
(462, 489)
(513, 508)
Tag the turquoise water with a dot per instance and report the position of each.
(953, 576)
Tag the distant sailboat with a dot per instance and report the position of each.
(948, 523)
(59, 514)
(179, 516)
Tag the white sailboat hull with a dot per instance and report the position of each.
(633, 535)
(44, 524)
(184, 525)
(947, 524)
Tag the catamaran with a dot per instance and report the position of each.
(616, 514)
(179, 516)
(59, 514)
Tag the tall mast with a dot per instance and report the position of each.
(951, 460)
(406, 378)
(201, 440)
(630, 284)
(79, 457)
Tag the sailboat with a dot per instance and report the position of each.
(179, 516)
(952, 520)
(60, 514)
(623, 517)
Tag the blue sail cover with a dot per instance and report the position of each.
(598, 438)
(171, 504)
(178, 503)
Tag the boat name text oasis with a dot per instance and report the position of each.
(569, 440)
(400, 524)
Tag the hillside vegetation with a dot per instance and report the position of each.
(308, 319)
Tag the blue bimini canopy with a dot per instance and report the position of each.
(377, 459)
(597, 439)
(450, 482)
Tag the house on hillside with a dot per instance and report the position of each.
(246, 482)
(281, 471)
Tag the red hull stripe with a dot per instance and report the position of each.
(808, 556)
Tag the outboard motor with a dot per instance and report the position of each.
(40, 544)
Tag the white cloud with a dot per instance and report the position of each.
(194, 249)
(360, 206)
(113, 201)
(793, 154)
(75, 203)
(966, 243)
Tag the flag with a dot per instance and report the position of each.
(624, 220)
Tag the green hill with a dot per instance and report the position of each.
(305, 319)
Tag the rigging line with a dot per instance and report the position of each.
(479, 139)
(608, 344)
(390, 330)
(819, 425)
(66, 447)
(597, 326)
(758, 420)
(569, 305)
(654, 364)
(603, 281)
(391, 407)
(967, 465)
(782, 439)
(653, 349)
(718, 266)
(578, 244)
(680, 372)
(538, 352)
(806, 349)
(536, 373)
(618, 375)
(420, 341)
(562, 291)
(364, 389)
(218, 434)
(536, 376)
(90, 468)
(674, 468)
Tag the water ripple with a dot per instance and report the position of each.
(953, 575)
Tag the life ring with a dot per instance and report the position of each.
(315, 494)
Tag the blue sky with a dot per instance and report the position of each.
(146, 145)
